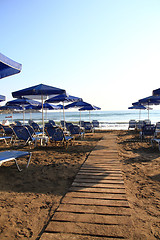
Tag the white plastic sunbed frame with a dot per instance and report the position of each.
(13, 155)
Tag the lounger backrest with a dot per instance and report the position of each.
(95, 123)
(22, 133)
(74, 129)
(68, 124)
(55, 133)
(158, 125)
(7, 130)
(87, 125)
(30, 129)
(35, 126)
(148, 130)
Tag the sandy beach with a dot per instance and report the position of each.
(29, 198)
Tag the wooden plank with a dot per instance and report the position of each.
(97, 185)
(70, 236)
(99, 202)
(92, 218)
(101, 230)
(98, 190)
(122, 211)
(88, 180)
(109, 176)
(96, 195)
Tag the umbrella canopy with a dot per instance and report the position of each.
(89, 108)
(23, 101)
(156, 92)
(79, 104)
(2, 98)
(151, 100)
(50, 106)
(63, 98)
(8, 67)
(137, 107)
(39, 91)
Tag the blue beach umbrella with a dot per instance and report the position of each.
(151, 100)
(89, 108)
(63, 98)
(78, 104)
(23, 102)
(138, 106)
(40, 91)
(8, 67)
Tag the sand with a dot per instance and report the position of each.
(141, 169)
(29, 198)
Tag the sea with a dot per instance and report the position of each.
(109, 120)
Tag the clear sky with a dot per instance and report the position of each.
(105, 51)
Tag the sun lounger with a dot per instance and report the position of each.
(23, 135)
(88, 127)
(76, 131)
(14, 155)
(132, 124)
(57, 136)
(7, 134)
(36, 127)
(157, 130)
(147, 130)
(95, 124)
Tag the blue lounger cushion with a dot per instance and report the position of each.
(13, 155)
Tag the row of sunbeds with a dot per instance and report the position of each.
(32, 133)
(146, 129)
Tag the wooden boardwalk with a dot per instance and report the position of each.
(95, 206)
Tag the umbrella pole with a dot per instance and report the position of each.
(23, 114)
(80, 117)
(64, 117)
(42, 114)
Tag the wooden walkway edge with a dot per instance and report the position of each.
(95, 206)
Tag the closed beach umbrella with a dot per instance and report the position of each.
(8, 67)
(40, 91)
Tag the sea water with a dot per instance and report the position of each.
(108, 119)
